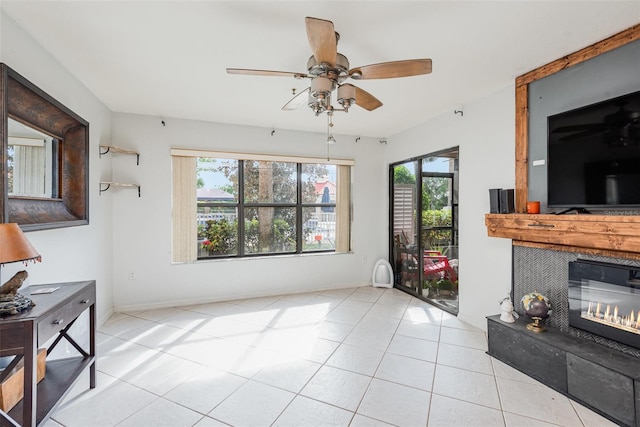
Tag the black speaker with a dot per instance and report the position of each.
(494, 200)
(507, 201)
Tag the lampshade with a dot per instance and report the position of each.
(14, 245)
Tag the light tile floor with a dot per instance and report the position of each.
(351, 357)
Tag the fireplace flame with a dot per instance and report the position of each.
(611, 317)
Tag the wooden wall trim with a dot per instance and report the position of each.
(522, 148)
(620, 39)
(522, 102)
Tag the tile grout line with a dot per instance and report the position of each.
(382, 358)
(495, 380)
(297, 394)
(270, 326)
(435, 368)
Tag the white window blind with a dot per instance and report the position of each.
(185, 228)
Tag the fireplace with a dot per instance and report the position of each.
(573, 357)
(604, 299)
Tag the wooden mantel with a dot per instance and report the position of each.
(608, 235)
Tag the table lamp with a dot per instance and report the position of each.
(14, 247)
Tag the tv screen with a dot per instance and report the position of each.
(593, 155)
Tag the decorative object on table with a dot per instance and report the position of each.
(11, 287)
(538, 308)
(42, 291)
(14, 247)
(11, 302)
(507, 313)
(533, 207)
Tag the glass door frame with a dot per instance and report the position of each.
(453, 241)
(416, 226)
(419, 174)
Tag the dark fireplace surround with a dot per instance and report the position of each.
(547, 271)
(588, 362)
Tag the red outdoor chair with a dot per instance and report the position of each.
(437, 265)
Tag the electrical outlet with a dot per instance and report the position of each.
(132, 275)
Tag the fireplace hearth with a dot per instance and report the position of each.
(588, 362)
(604, 299)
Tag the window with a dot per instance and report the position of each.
(248, 205)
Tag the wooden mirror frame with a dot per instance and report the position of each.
(522, 101)
(26, 103)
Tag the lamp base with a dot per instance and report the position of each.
(536, 326)
(14, 304)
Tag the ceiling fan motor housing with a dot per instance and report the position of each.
(340, 70)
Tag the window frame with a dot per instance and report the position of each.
(341, 206)
(241, 205)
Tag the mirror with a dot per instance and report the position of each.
(44, 165)
(31, 162)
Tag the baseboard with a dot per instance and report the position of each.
(189, 302)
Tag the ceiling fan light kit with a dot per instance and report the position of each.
(346, 95)
(328, 70)
(320, 94)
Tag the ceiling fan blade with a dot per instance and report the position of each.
(389, 70)
(297, 101)
(365, 100)
(322, 39)
(266, 73)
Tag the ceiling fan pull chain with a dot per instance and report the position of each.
(330, 138)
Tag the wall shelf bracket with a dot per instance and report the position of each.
(105, 149)
(105, 185)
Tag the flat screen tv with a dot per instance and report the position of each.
(593, 155)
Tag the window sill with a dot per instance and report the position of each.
(265, 257)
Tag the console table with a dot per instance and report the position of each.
(21, 334)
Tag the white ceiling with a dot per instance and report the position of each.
(168, 58)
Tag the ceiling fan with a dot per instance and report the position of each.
(328, 70)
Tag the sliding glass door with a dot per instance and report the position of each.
(424, 227)
(405, 224)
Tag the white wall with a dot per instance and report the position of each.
(485, 135)
(142, 226)
(127, 233)
(76, 253)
